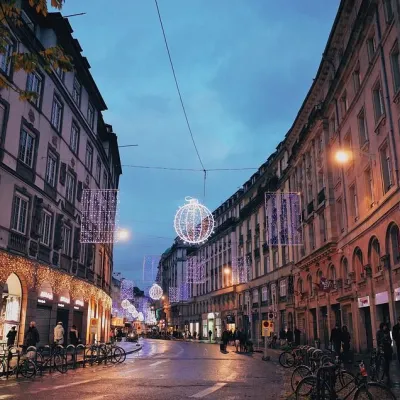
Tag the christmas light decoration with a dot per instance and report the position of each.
(194, 222)
(184, 291)
(140, 317)
(150, 268)
(173, 294)
(99, 215)
(283, 213)
(126, 289)
(195, 269)
(155, 292)
(241, 270)
(125, 304)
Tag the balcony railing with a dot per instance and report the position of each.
(44, 254)
(310, 207)
(17, 242)
(321, 196)
(257, 253)
(65, 262)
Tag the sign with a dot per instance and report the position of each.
(363, 302)
(60, 305)
(267, 327)
(230, 319)
(382, 298)
(76, 308)
(46, 295)
(41, 301)
(117, 321)
(325, 285)
(79, 303)
(397, 294)
(64, 299)
(93, 325)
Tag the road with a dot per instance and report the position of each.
(162, 370)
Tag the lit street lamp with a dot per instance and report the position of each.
(227, 271)
(344, 156)
(123, 235)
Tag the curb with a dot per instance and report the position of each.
(134, 350)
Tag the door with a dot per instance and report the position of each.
(43, 324)
(368, 327)
(62, 316)
(78, 322)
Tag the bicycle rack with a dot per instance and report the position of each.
(73, 354)
(326, 374)
(83, 347)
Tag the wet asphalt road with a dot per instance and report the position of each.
(161, 370)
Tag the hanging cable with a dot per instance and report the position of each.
(188, 169)
(177, 86)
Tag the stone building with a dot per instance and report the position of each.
(342, 156)
(50, 150)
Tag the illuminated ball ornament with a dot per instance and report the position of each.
(155, 292)
(140, 317)
(125, 304)
(194, 223)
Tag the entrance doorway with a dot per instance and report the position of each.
(62, 316)
(78, 322)
(366, 320)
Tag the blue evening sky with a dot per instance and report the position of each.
(244, 68)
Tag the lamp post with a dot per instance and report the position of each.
(345, 155)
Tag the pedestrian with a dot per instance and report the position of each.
(297, 334)
(59, 334)
(289, 335)
(32, 338)
(336, 339)
(225, 339)
(346, 343)
(385, 342)
(396, 337)
(12, 333)
(210, 334)
(73, 336)
(236, 337)
(243, 341)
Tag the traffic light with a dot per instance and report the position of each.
(270, 315)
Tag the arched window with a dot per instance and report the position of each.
(358, 262)
(310, 285)
(332, 273)
(394, 244)
(345, 269)
(264, 294)
(300, 286)
(374, 255)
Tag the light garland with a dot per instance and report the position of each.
(140, 317)
(155, 292)
(283, 214)
(150, 268)
(173, 294)
(241, 270)
(127, 289)
(99, 216)
(194, 223)
(34, 275)
(195, 269)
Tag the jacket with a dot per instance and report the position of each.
(59, 334)
(396, 333)
(32, 336)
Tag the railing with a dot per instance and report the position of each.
(321, 196)
(17, 242)
(44, 253)
(65, 262)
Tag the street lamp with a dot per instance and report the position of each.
(123, 235)
(344, 156)
(227, 271)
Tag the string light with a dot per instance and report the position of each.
(173, 294)
(150, 268)
(194, 223)
(140, 317)
(126, 289)
(99, 216)
(195, 269)
(155, 292)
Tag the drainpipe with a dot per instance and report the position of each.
(391, 133)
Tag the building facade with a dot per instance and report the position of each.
(51, 149)
(341, 156)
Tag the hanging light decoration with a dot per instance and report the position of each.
(156, 292)
(140, 317)
(125, 304)
(131, 308)
(194, 223)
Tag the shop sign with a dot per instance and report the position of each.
(397, 294)
(117, 321)
(46, 295)
(381, 298)
(79, 303)
(93, 325)
(76, 308)
(363, 302)
(60, 305)
(41, 301)
(64, 299)
(210, 316)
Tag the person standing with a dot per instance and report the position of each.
(336, 339)
(346, 343)
(32, 335)
(289, 335)
(210, 334)
(385, 342)
(297, 334)
(12, 333)
(73, 336)
(225, 339)
(236, 337)
(396, 337)
(59, 334)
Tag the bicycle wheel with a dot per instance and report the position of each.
(118, 356)
(298, 374)
(3, 368)
(379, 391)
(362, 393)
(380, 368)
(27, 368)
(60, 363)
(345, 383)
(92, 355)
(286, 359)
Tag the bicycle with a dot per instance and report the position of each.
(24, 365)
(53, 356)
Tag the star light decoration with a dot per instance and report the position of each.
(283, 214)
(99, 216)
(156, 292)
(194, 223)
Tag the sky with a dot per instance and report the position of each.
(244, 68)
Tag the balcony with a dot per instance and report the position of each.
(44, 253)
(65, 262)
(81, 271)
(321, 196)
(17, 242)
(265, 248)
(310, 208)
(257, 253)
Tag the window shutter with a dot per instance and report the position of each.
(63, 173)
(79, 191)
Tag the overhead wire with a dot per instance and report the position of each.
(189, 169)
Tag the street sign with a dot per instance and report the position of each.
(93, 325)
(267, 327)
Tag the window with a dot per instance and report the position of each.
(275, 259)
(282, 288)
(76, 91)
(20, 213)
(5, 58)
(264, 294)
(70, 187)
(67, 233)
(90, 115)
(26, 147)
(82, 254)
(395, 62)
(311, 235)
(339, 213)
(255, 296)
(386, 166)
(375, 255)
(89, 156)
(353, 201)
(74, 138)
(388, 10)
(34, 84)
(60, 72)
(333, 274)
(45, 228)
(322, 225)
(369, 187)
(377, 98)
(332, 126)
(356, 79)
(344, 103)
(51, 169)
(371, 48)
(56, 113)
(98, 170)
(395, 244)
(362, 127)
(105, 180)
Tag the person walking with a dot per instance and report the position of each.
(236, 337)
(336, 339)
(289, 336)
(32, 338)
(346, 343)
(225, 339)
(210, 334)
(297, 334)
(12, 333)
(73, 336)
(385, 342)
(59, 334)
(396, 337)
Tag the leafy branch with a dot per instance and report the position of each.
(49, 59)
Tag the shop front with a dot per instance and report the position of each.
(194, 328)
(230, 322)
(63, 313)
(212, 322)
(43, 313)
(78, 317)
(382, 307)
(366, 336)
